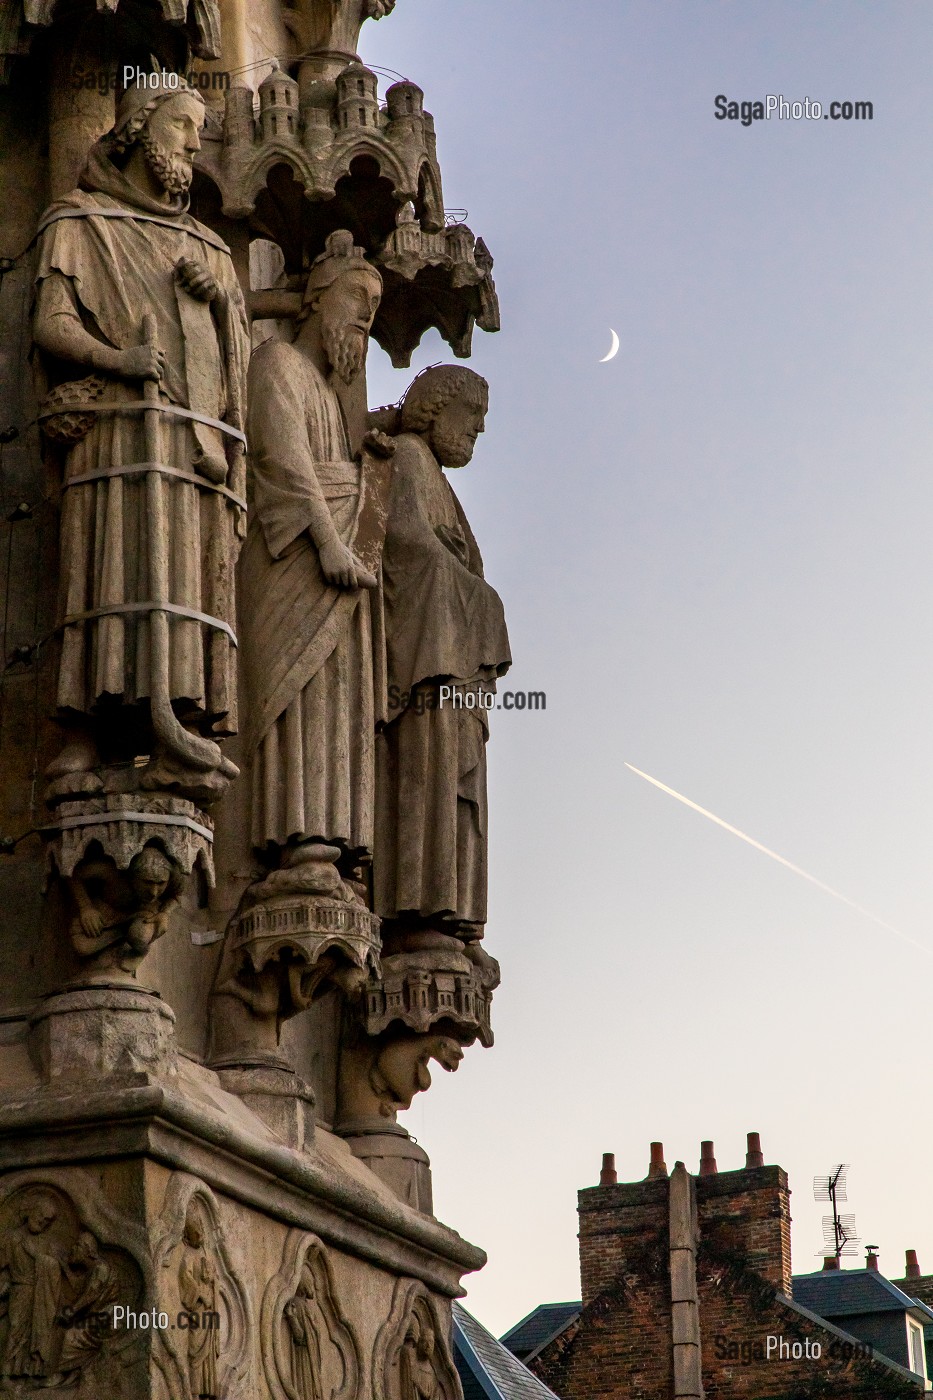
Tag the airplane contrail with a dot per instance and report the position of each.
(804, 874)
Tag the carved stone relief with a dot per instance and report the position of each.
(62, 1271)
(309, 1349)
(411, 1356)
(196, 1274)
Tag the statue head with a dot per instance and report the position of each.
(86, 1249)
(39, 1214)
(343, 290)
(152, 875)
(163, 118)
(194, 1230)
(447, 406)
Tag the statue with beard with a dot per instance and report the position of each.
(143, 344)
(446, 643)
(307, 621)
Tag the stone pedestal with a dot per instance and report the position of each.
(278, 1096)
(394, 1156)
(99, 1032)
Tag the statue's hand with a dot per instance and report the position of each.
(91, 922)
(341, 567)
(141, 362)
(196, 279)
(379, 443)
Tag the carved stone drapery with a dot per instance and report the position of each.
(309, 1349)
(193, 1265)
(411, 1357)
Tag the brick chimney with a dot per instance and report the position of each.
(830, 1263)
(746, 1213)
(913, 1267)
(620, 1222)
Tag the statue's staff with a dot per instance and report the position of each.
(197, 752)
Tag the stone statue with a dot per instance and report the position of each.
(30, 1285)
(417, 1374)
(197, 1289)
(301, 1316)
(119, 916)
(307, 620)
(141, 328)
(87, 1317)
(445, 628)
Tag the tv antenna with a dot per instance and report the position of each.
(838, 1230)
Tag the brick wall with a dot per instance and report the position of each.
(620, 1347)
(747, 1214)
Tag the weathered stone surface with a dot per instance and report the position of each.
(95, 1032)
(239, 1118)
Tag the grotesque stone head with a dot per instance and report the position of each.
(152, 876)
(344, 291)
(447, 406)
(164, 119)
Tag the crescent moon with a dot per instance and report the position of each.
(613, 349)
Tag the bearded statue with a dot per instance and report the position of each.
(308, 644)
(142, 347)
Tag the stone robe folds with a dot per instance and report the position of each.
(443, 624)
(109, 273)
(307, 646)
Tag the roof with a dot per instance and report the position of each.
(878, 1358)
(488, 1371)
(541, 1325)
(853, 1293)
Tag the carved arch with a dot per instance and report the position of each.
(413, 1305)
(236, 1316)
(340, 1362)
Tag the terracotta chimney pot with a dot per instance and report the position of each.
(607, 1176)
(871, 1257)
(754, 1157)
(708, 1165)
(657, 1166)
(913, 1268)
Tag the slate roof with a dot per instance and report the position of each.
(538, 1328)
(853, 1293)
(487, 1370)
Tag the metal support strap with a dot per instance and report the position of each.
(140, 469)
(115, 609)
(138, 406)
(158, 818)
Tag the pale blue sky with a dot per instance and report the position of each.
(715, 558)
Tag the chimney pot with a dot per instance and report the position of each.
(754, 1157)
(607, 1176)
(871, 1257)
(913, 1268)
(830, 1262)
(708, 1165)
(657, 1166)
